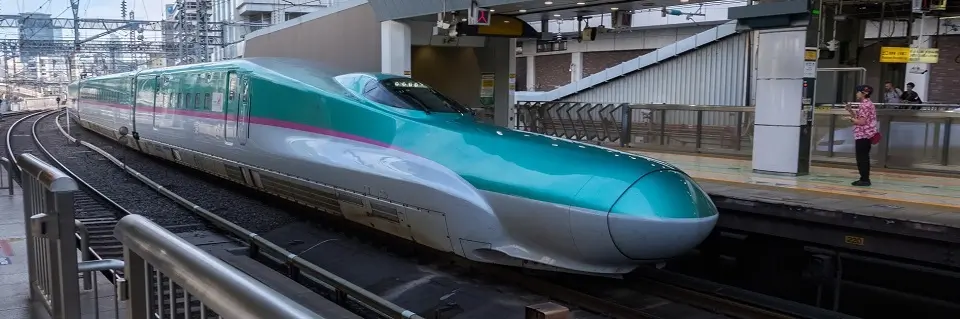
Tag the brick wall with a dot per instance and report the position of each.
(944, 84)
(552, 71)
(594, 62)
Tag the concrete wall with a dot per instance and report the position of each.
(455, 71)
(345, 36)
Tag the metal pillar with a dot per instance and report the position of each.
(75, 7)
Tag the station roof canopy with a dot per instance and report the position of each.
(524, 9)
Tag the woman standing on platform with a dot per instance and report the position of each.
(864, 131)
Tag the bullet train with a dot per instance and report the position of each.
(393, 154)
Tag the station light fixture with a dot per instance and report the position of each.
(581, 3)
(614, 9)
(548, 3)
(523, 10)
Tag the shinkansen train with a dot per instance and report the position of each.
(393, 154)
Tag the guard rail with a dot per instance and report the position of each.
(924, 139)
(165, 275)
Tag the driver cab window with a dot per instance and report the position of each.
(376, 92)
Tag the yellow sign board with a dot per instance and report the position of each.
(810, 55)
(908, 55)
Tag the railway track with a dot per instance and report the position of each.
(96, 213)
(643, 296)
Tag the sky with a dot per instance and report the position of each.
(107, 9)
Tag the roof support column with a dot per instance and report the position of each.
(919, 73)
(395, 48)
(505, 77)
(786, 72)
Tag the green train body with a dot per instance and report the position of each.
(394, 154)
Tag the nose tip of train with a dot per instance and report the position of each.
(663, 214)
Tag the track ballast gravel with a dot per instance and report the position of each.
(250, 214)
(104, 176)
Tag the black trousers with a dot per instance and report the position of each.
(863, 158)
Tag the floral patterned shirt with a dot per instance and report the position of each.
(867, 112)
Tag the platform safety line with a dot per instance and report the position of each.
(833, 192)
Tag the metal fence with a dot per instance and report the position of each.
(165, 276)
(916, 136)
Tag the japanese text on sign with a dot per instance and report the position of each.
(908, 55)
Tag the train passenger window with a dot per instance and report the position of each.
(177, 106)
(196, 101)
(206, 101)
(187, 101)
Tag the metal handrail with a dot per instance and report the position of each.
(51, 244)
(691, 107)
(728, 130)
(881, 105)
(229, 292)
(729, 108)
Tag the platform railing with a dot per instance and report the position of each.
(50, 228)
(165, 276)
(916, 136)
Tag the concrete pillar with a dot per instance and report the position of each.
(919, 73)
(576, 66)
(395, 48)
(778, 145)
(505, 57)
(531, 73)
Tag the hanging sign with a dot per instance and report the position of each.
(909, 55)
(513, 81)
(486, 88)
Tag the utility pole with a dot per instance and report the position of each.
(75, 7)
(202, 30)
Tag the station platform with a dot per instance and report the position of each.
(15, 300)
(915, 217)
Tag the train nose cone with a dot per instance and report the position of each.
(662, 215)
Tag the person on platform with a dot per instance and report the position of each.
(911, 96)
(865, 131)
(892, 94)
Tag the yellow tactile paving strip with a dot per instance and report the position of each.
(925, 190)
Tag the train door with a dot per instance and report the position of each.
(243, 110)
(236, 113)
(144, 100)
(230, 105)
(160, 95)
(132, 102)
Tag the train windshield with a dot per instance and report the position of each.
(411, 94)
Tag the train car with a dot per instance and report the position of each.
(393, 154)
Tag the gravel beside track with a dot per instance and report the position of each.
(109, 179)
(251, 214)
